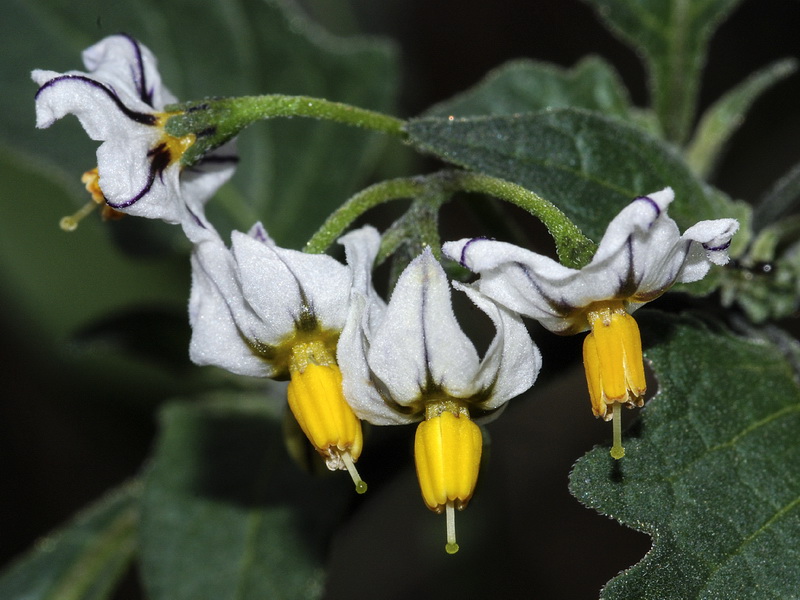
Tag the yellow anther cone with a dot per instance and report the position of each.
(447, 452)
(612, 357)
(316, 400)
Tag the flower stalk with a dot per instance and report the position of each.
(574, 249)
(215, 121)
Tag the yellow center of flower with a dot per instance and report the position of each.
(173, 146)
(316, 400)
(612, 357)
(447, 452)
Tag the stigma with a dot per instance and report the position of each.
(317, 402)
(447, 453)
(612, 357)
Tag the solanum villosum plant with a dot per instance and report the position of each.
(330, 306)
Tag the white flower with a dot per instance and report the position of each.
(120, 101)
(641, 255)
(260, 310)
(411, 360)
(402, 356)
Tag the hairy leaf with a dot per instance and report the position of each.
(672, 36)
(710, 471)
(588, 165)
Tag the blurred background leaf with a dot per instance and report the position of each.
(226, 514)
(710, 468)
(529, 86)
(725, 116)
(84, 559)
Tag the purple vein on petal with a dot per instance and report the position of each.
(143, 118)
(144, 94)
(160, 159)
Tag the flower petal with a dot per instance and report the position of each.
(131, 69)
(285, 286)
(365, 312)
(641, 255)
(102, 113)
(221, 320)
(419, 347)
(136, 181)
(512, 362)
(525, 282)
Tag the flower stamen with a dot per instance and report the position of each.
(612, 356)
(91, 180)
(317, 402)
(447, 453)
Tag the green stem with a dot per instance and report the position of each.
(574, 249)
(355, 206)
(252, 108)
(215, 121)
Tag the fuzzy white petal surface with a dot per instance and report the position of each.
(218, 315)
(131, 184)
(281, 284)
(419, 342)
(202, 180)
(130, 68)
(641, 255)
(512, 362)
(91, 101)
(365, 312)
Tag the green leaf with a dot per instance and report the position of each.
(672, 37)
(292, 173)
(523, 86)
(225, 512)
(711, 468)
(588, 165)
(723, 118)
(82, 561)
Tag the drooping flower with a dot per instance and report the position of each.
(411, 361)
(260, 310)
(641, 255)
(120, 101)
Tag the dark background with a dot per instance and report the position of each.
(58, 453)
